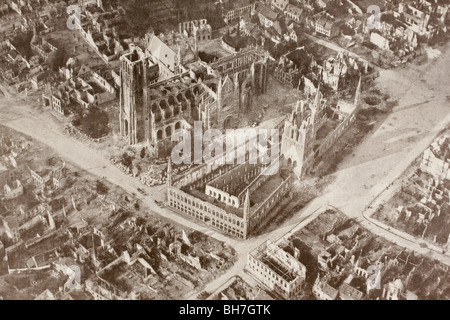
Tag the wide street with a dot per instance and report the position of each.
(422, 111)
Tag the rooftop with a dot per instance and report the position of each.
(349, 292)
(329, 290)
(266, 12)
(293, 9)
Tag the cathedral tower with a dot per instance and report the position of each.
(133, 95)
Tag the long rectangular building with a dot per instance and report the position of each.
(235, 199)
(277, 269)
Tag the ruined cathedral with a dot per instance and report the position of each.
(161, 94)
(301, 145)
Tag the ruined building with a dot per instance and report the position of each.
(301, 146)
(300, 131)
(278, 270)
(196, 28)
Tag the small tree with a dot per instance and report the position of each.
(255, 19)
(95, 123)
(102, 188)
(348, 31)
(127, 161)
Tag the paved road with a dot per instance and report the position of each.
(421, 112)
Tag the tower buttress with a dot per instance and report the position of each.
(358, 94)
(169, 173)
(317, 98)
(179, 59)
(195, 44)
(246, 216)
(237, 91)
(94, 257)
(247, 206)
(219, 94)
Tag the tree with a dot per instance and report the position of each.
(282, 48)
(127, 160)
(143, 153)
(57, 60)
(301, 59)
(21, 42)
(206, 57)
(95, 123)
(255, 19)
(336, 10)
(101, 187)
(76, 121)
(348, 31)
(389, 18)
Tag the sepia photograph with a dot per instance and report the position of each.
(225, 156)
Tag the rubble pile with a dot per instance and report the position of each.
(152, 177)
